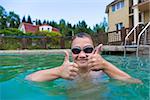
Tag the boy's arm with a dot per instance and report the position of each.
(45, 75)
(67, 70)
(114, 72)
(97, 62)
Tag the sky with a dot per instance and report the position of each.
(72, 11)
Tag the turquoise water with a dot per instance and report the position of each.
(14, 68)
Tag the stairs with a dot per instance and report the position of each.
(142, 45)
(145, 38)
(144, 50)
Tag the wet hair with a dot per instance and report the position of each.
(82, 35)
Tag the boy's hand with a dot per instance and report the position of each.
(96, 61)
(68, 70)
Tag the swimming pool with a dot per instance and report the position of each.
(14, 68)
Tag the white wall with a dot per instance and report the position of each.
(22, 28)
(45, 28)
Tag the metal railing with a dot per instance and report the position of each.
(126, 38)
(139, 36)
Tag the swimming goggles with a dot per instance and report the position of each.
(86, 49)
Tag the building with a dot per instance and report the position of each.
(27, 27)
(126, 14)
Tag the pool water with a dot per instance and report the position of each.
(14, 68)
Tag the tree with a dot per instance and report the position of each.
(23, 19)
(70, 30)
(99, 28)
(82, 27)
(38, 22)
(102, 27)
(53, 23)
(29, 19)
(82, 24)
(69, 25)
(3, 18)
(8, 20)
(105, 24)
(62, 22)
(13, 20)
(47, 22)
(44, 22)
(62, 26)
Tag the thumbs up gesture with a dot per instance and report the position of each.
(96, 61)
(68, 70)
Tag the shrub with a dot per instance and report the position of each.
(11, 31)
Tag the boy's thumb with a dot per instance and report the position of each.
(66, 56)
(98, 48)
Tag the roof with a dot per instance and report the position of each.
(55, 29)
(45, 25)
(30, 28)
(34, 28)
(112, 3)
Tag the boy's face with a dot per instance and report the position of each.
(81, 49)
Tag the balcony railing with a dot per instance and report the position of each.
(117, 37)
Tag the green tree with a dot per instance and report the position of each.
(105, 24)
(29, 19)
(36, 22)
(82, 27)
(70, 30)
(97, 28)
(13, 20)
(44, 22)
(8, 20)
(23, 19)
(47, 22)
(62, 26)
(54, 24)
(39, 22)
(82, 24)
(102, 27)
(3, 18)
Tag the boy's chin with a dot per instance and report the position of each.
(82, 65)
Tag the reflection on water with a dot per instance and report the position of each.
(14, 68)
(86, 90)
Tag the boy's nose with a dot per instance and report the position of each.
(82, 54)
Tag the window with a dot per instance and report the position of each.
(47, 28)
(113, 8)
(42, 29)
(119, 26)
(122, 4)
(117, 6)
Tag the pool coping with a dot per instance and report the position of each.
(61, 51)
(52, 51)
